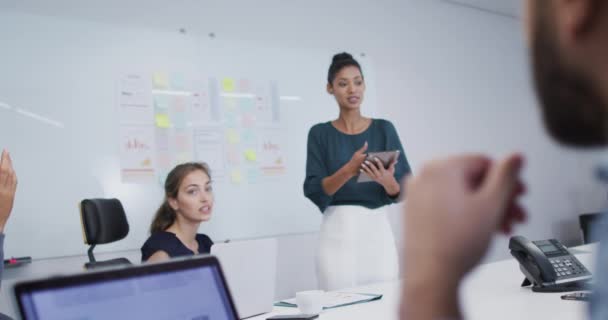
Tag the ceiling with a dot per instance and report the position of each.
(504, 7)
(510, 8)
(203, 16)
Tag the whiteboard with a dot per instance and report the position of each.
(60, 117)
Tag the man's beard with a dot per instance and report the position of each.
(573, 109)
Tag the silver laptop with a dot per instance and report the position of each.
(250, 269)
(192, 288)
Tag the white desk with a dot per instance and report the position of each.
(384, 309)
(492, 291)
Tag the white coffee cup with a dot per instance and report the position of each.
(310, 302)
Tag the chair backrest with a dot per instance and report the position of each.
(103, 220)
(587, 221)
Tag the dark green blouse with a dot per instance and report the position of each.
(330, 149)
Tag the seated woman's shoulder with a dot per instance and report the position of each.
(205, 241)
(161, 236)
(160, 240)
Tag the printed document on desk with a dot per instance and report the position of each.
(336, 299)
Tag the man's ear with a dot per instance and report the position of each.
(575, 17)
(330, 89)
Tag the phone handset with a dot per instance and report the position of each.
(532, 261)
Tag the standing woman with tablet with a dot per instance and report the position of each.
(356, 241)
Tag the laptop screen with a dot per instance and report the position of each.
(194, 291)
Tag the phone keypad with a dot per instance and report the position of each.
(567, 267)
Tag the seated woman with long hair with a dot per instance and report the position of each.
(188, 203)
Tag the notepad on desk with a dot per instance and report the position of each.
(336, 299)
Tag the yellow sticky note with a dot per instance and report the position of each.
(160, 80)
(250, 155)
(162, 121)
(233, 136)
(236, 176)
(228, 84)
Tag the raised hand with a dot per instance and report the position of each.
(8, 187)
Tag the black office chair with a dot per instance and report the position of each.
(587, 221)
(103, 221)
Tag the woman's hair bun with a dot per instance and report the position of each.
(341, 57)
(340, 61)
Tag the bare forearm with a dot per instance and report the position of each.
(333, 183)
(5, 210)
(392, 188)
(430, 299)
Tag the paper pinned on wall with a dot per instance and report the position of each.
(162, 139)
(136, 154)
(253, 175)
(178, 104)
(249, 137)
(180, 120)
(160, 80)
(232, 156)
(250, 155)
(244, 85)
(183, 157)
(200, 111)
(134, 100)
(247, 105)
(161, 103)
(272, 152)
(209, 149)
(164, 160)
(236, 177)
(181, 142)
(231, 119)
(178, 82)
(230, 104)
(233, 136)
(248, 120)
(228, 85)
(162, 121)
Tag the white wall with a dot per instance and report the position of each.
(452, 79)
(462, 84)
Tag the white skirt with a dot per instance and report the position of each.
(357, 248)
